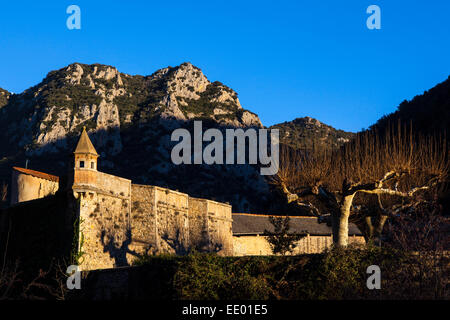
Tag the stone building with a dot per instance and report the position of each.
(30, 184)
(118, 220)
(249, 239)
(98, 220)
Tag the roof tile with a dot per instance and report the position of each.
(37, 174)
(245, 223)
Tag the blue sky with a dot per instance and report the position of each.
(286, 59)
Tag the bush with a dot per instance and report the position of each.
(342, 272)
(336, 274)
(209, 277)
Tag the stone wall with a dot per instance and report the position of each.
(105, 233)
(85, 179)
(143, 219)
(25, 187)
(116, 228)
(114, 185)
(258, 245)
(218, 223)
(172, 220)
(160, 220)
(164, 220)
(104, 205)
(199, 224)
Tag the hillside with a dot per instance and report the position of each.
(428, 112)
(306, 133)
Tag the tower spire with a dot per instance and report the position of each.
(85, 153)
(85, 145)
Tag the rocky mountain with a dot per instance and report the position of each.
(130, 119)
(101, 98)
(308, 133)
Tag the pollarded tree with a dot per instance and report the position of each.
(397, 164)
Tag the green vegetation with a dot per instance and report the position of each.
(281, 240)
(210, 277)
(77, 254)
(58, 93)
(335, 274)
(204, 106)
(143, 95)
(307, 133)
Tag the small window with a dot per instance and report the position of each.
(92, 165)
(81, 164)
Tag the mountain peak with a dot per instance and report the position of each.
(308, 133)
(308, 120)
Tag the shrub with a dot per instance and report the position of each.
(342, 271)
(281, 240)
(336, 274)
(207, 276)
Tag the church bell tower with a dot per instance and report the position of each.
(85, 162)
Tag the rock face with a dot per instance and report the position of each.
(4, 97)
(103, 99)
(308, 133)
(129, 119)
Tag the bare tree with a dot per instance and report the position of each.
(16, 284)
(422, 231)
(396, 164)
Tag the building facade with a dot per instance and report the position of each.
(249, 238)
(118, 221)
(114, 221)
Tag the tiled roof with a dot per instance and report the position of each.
(253, 224)
(85, 145)
(37, 174)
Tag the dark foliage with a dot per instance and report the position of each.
(281, 240)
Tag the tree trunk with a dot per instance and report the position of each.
(374, 231)
(369, 228)
(344, 210)
(380, 226)
(335, 226)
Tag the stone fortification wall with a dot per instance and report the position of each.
(211, 225)
(105, 233)
(164, 220)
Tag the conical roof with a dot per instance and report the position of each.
(85, 145)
